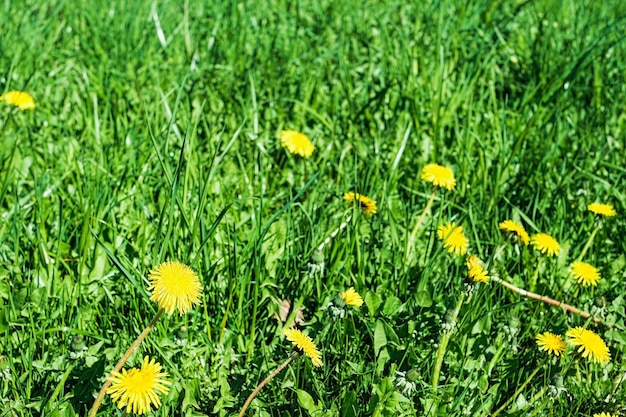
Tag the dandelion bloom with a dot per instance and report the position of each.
(453, 237)
(546, 244)
(304, 344)
(175, 286)
(138, 389)
(20, 99)
(603, 415)
(297, 143)
(351, 297)
(439, 175)
(518, 229)
(585, 273)
(368, 206)
(475, 269)
(591, 345)
(551, 343)
(602, 209)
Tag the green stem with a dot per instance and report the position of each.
(517, 392)
(122, 361)
(588, 244)
(445, 338)
(411, 241)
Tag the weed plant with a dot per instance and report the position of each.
(156, 137)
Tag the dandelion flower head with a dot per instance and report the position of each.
(512, 227)
(603, 415)
(453, 237)
(551, 343)
(602, 209)
(138, 389)
(546, 244)
(304, 344)
(475, 269)
(20, 99)
(351, 297)
(439, 175)
(590, 344)
(585, 273)
(297, 143)
(174, 286)
(368, 206)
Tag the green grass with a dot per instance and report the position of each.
(142, 150)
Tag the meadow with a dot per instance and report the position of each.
(156, 134)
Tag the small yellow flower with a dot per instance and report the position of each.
(439, 175)
(368, 206)
(585, 273)
(518, 229)
(475, 269)
(297, 143)
(304, 344)
(20, 99)
(138, 389)
(351, 297)
(602, 209)
(546, 244)
(453, 237)
(552, 343)
(603, 415)
(175, 286)
(591, 345)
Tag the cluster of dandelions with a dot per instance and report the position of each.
(175, 287)
(584, 341)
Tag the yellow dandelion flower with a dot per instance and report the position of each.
(475, 269)
(20, 99)
(439, 175)
(546, 244)
(603, 415)
(590, 344)
(512, 227)
(368, 206)
(602, 209)
(453, 237)
(297, 143)
(138, 389)
(585, 273)
(551, 343)
(175, 286)
(304, 344)
(351, 297)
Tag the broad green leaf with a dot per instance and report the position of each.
(424, 299)
(392, 306)
(306, 401)
(373, 302)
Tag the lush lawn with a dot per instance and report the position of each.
(155, 138)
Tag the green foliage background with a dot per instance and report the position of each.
(145, 148)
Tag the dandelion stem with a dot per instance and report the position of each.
(262, 384)
(122, 361)
(411, 242)
(545, 299)
(588, 244)
(445, 338)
